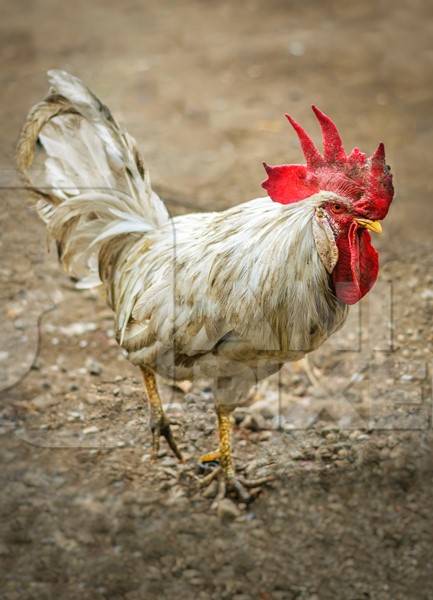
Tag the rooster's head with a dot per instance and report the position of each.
(354, 193)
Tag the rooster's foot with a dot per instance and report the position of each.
(235, 486)
(229, 484)
(160, 426)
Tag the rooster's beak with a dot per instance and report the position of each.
(371, 225)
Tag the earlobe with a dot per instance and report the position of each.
(325, 241)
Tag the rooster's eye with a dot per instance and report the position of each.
(337, 208)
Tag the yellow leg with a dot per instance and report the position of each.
(225, 448)
(223, 454)
(159, 424)
(226, 470)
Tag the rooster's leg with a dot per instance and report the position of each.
(226, 471)
(159, 424)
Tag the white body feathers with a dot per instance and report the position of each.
(206, 293)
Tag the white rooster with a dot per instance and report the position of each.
(227, 295)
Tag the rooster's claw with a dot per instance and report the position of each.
(236, 486)
(161, 427)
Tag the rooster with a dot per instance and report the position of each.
(229, 296)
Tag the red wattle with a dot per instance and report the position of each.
(358, 265)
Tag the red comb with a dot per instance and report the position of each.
(366, 182)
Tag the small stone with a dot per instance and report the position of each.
(43, 401)
(227, 510)
(128, 391)
(297, 455)
(91, 429)
(169, 461)
(296, 48)
(343, 453)
(407, 377)
(93, 367)
(77, 328)
(184, 386)
(73, 415)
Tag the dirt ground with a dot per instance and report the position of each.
(203, 87)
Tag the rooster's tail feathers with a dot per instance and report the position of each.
(88, 176)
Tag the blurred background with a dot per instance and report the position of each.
(203, 87)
